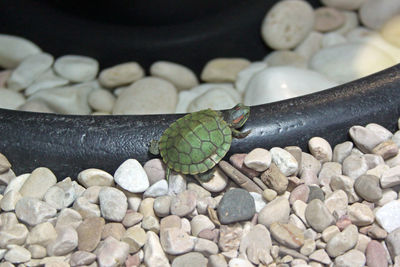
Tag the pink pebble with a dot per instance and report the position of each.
(376, 255)
(301, 192)
(343, 222)
(237, 161)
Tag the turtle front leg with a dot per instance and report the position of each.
(205, 176)
(153, 148)
(239, 134)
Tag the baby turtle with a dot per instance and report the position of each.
(195, 143)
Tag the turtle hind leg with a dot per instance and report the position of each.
(153, 148)
(239, 134)
(205, 176)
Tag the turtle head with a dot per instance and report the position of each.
(237, 116)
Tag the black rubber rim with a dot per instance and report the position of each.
(70, 144)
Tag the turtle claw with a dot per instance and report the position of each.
(153, 148)
(205, 176)
(239, 134)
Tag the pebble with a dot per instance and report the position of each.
(69, 217)
(262, 86)
(115, 230)
(17, 254)
(200, 191)
(215, 98)
(387, 196)
(328, 19)
(151, 223)
(354, 166)
(29, 70)
(95, 177)
(217, 183)
(89, 233)
(217, 261)
(154, 255)
(388, 216)
(10, 99)
(287, 24)
(40, 180)
(244, 76)
(258, 159)
(360, 214)
(200, 223)
(342, 151)
(337, 202)
(41, 234)
(392, 242)
(156, 170)
(162, 206)
(101, 100)
(285, 58)
(131, 218)
(390, 30)
(121, 74)
(277, 210)
(194, 259)
(184, 203)
(374, 14)
(330, 232)
(328, 170)
(367, 187)
(149, 95)
(343, 4)
(318, 215)
(135, 237)
(342, 242)
(320, 149)
(9, 200)
(236, 205)
(14, 50)
(332, 39)
(76, 68)
(301, 192)
(176, 183)
(182, 77)
(237, 160)
(46, 80)
(287, 234)
(390, 177)
(352, 258)
(320, 256)
(386, 149)
(346, 184)
(376, 255)
(131, 176)
(37, 251)
(327, 60)
(82, 258)
(66, 241)
(310, 45)
(113, 204)
(33, 211)
(256, 244)
(269, 194)
(157, 189)
(315, 193)
(205, 247)
(275, 179)
(176, 241)
(223, 69)
(238, 262)
(85, 208)
(286, 163)
(146, 207)
(112, 252)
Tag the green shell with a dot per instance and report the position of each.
(196, 142)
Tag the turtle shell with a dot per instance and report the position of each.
(196, 142)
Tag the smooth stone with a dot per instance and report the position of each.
(366, 59)
(256, 244)
(342, 151)
(184, 203)
(101, 100)
(79, 258)
(76, 68)
(388, 216)
(223, 69)
(42, 234)
(244, 76)
(360, 214)
(135, 237)
(14, 49)
(4, 75)
(40, 180)
(154, 255)
(342, 242)
(287, 24)
(285, 58)
(318, 215)
(9, 200)
(390, 177)
(12, 234)
(275, 179)
(115, 230)
(237, 161)
(367, 187)
(121, 74)
(176, 183)
(378, 170)
(5, 178)
(155, 170)
(381, 131)
(320, 256)
(259, 201)
(309, 163)
(301, 192)
(95, 177)
(346, 184)
(376, 255)
(55, 197)
(162, 206)
(320, 149)
(157, 189)
(236, 262)
(65, 100)
(186, 97)
(131, 176)
(258, 159)
(176, 241)
(111, 253)
(374, 14)
(285, 161)
(113, 204)
(35, 106)
(373, 160)
(387, 196)
(352, 258)
(230, 237)
(194, 259)
(217, 183)
(215, 98)
(29, 70)
(5, 165)
(68, 217)
(46, 80)
(200, 223)
(310, 45)
(182, 77)
(89, 233)
(332, 39)
(386, 149)
(149, 95)
(10, 99)
(236, 205)
(328, 170)
(17, 254)
(330, 232)
(146, 207)
(33, 211)
(343, 4)
(287, 234)
(291, 81)
(131, 218)
(37, 251)
(151, 223)
(354, 166)
(85, 208)
(203, 204)
(337, 202)
(390, 31)
(315, 193)
(217, 261)
(275, 211)
(134, 203)
(205, 247)
(66, 241)
(328, 19)
(393, 243)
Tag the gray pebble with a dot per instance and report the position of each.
(236, 205)
(162, 206)
(193, 259)
(342, 151)
(367, 187)
(318, 215)
(315, 193)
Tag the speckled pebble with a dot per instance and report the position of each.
(236, 205)
(320, 149)
(284, 161)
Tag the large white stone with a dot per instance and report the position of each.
(348, 62)
(216, 99)
(244, 76)
(76, 68)
(45, 81)
(14, 49)
(29, 70)
(10, 99)
(279, 83)
(388, 216)
(121, 74)
(131, 176)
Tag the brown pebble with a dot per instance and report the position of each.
(299, 193)
(207, 234)
(328, 19)
(113, 229)
(377, 232)
(89, 233)
(386, 149)
(275, 179)
(376, 255)
(237, 160)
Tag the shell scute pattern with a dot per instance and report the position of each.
(195, 143)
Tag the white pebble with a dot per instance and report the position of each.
(286, 163)
(17, 254)
(285, 58)
(310, 45)
(121, 74)
(10, 99)
(46, 80)
(76, 68)
(244, 76)
(131, 176)
(182, 77)
(113, 203)
(374, 13)
(159, 188)
(14, 49)
(332, 39)
(223, 69)
(258, 159)
(351, 22)
(216, 99)
(320, 149)
(101, 100)
(344, 4)
(388, 216)
(217, 183)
